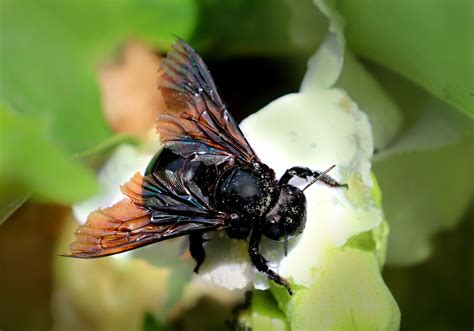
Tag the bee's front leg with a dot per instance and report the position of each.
(261, 263)
(302, 172)
(328, 180)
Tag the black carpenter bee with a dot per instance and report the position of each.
(206, 178)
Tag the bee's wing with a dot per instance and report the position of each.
(173, 210)
(196, 120)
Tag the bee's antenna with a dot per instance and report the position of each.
(286, 243)
(317, 178)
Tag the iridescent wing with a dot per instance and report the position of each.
(196, 121)
(158, 207)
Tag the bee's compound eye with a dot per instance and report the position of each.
(274, 231)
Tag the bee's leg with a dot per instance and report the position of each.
(295, 172)
(302, 172)
(260, 263)
(328, 180)
(196, 248)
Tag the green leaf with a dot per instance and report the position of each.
(50, 50)
(426, 175)
(428, 42)
(10, 202)
(108, 145)
(29, 163)
(265, 27)
(266, 316)
(425, 192)
(45, 74)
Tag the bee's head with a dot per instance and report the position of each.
(287, 218)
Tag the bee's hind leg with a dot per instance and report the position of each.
(196, 248)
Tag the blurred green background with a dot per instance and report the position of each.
(409, 65)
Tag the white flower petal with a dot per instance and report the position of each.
(227, 263)
(325, 66)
